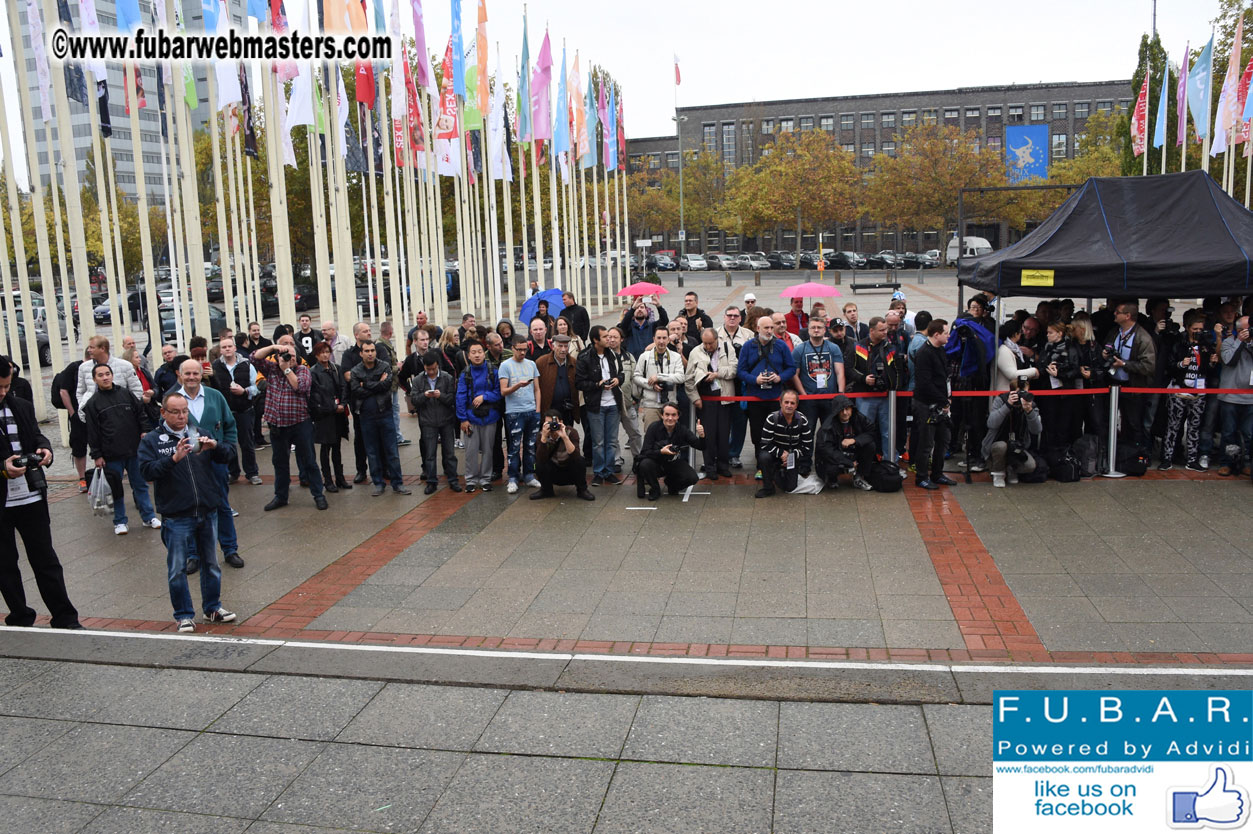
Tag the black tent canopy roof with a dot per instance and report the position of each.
(1166, 235)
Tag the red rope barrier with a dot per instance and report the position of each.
(1056, 392)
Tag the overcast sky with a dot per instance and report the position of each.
(744, 51)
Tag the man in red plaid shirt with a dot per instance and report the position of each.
(287, 411)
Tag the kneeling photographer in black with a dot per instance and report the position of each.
(557, 458)
(24, 510)
(846, 443)
(664, 455)
(1014, 425)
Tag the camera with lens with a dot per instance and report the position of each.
(680, 451)
(1016, 454)
(554, 425)
(938, 415)
(33, 463)
(880, 375)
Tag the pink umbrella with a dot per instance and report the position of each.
(644, 288)
(810, 289)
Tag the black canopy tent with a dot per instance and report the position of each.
(1167, 235)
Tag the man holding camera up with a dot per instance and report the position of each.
(659, 373)
(181, 466)
(1012, 421)
(24, 511)
(557, 459)
(287, 411)
(877, 367)
(666, 445)
(932, 418)
(786, 450)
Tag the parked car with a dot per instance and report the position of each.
(781, 260)
(306, 297)
(214, 290)
(661, 263)
(693, 262)
(880, 261)
(217, 322)
(739, 262)
(719, 261)
(757, 261)
(809, 260)
(42, 344)
(931, 258)
(845, 260)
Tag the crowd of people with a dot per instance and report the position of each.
(671, 400)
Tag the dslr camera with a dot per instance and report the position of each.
(880, 375)
(554, 425)
(33, 463)
(680, 451)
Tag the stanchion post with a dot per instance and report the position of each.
(890, 452)
(1113, 435)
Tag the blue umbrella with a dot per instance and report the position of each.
(555, 306)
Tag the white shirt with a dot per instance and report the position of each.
(19, 495)
(606, 394)
(194, 404)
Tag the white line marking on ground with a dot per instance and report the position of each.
(641, 508)
(869, 665)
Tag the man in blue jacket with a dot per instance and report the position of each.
(478, 390)
(188, 490)
(765, 368)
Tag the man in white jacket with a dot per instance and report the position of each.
(123, 373)
(658, 373)
(711, 368)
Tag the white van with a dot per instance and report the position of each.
(975, 247)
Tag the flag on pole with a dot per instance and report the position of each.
(245, 113)
(342, 109)
(458, 53)
(300, 102)
(611, 133)
(227, 72)
(289, 150)
(677, 78)
(561, 128)
(365, 83)
(579, 140)
(602, 114)
(621, 136)
(413, 115)
(209, 10)
(91, 26)
(102, 97)
(447, 156)
(541, 109)
(286, 70)
(1139, 118)
(1228, 115)
(1181, 99)
(1242, 105)
(591, 156)
(165, 130)
(472, 116)
(34, 21)
(426, 78)
(75, 83)
(189, 76)
(497, 146)
(140, 97)
(481, 45)
(1159, 128)
(524, 90)
(128, 18)
(256, 8)
(1199, 90)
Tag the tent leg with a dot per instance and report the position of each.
(1113, 435)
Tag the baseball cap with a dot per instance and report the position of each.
(898, 296)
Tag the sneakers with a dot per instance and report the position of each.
(978, 466)
(120, 529)
(860, 483)
(998, 479)
(597, 480)
(402, 490)
(459, 443)
(219, 616)
(1195, 466)
(735, 463)
(153, 523)
(82, 485)
(945, 480)
(1204, 463)
(757, 475)
(404, 441)
(1165, 466)
(612, 480)
(255, 480)
(471, 489)
(1011, 477)
(378, 490)
(186, 626)
(1224, 470)
(533, 482)
(925, 484)
(512, 488)
(764, 492)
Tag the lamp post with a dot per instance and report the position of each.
(678, 129)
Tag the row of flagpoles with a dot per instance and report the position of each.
(1193, 92)
(457, 126)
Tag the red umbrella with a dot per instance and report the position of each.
(643, 288)
(810, 289)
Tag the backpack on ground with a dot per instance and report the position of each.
(1063, 465)
(884, 476)
(1038, 475)
(1131, 459)
(1088, 450)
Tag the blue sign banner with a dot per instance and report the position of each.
(1026, 152)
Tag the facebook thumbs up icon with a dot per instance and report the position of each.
(1222, 804)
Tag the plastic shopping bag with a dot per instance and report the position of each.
(100, 494)
(811, 484)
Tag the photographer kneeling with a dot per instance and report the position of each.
(846, 443)
(664, 455)
(1012, 424)
(557, 459)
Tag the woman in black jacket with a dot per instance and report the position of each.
(328, 408)
(1059, 368)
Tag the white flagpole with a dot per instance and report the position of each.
(620, 243)
(190, 205)
(341, 237)
(219, 205)
(435, 213)
(587, 266)
(526, 252)
(493, 236)
(277, 183)
(233, 293)
(322, 265)
(141, 193)
(626, 218)
(539, 224)
(104, 162)
(246, 264)
(256, 258)
(600, 258)
(170, 232)
(554, 215)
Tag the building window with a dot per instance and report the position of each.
(1015, 114)
(846, 121)
(951, 114)
(672, 159)
(1104, 106)
(767, 126)
(728, 144)
(1124, 104)
(1081, 109)
(807, 122)
(867, 121)
(867, 149)
(1059, 111)
(827, 123)
(848, 147)
(637, 161)
(994, 113)
(654, 161)
(972, 113)
(1060, 141)
(929, 116)
(909, 118)
(994, 144)
(1037, 112)
(889, 148)
(787, 125)
(710, 138)
(888, 120)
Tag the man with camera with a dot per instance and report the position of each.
(557, 459)
(1133, 358)
(629, 413)
(659, 373)
(287, 411)
(819, 370)
(845, 444)
(24, 511)
(116, 420)
(182, 466)
(1236, 410)
(434, 394)
(711, 372)
(765, 366)
(932, 419)
(666, 444)
(786, 451)
(1013, 423)
(557, 386)
(598, 374)
(877, 367)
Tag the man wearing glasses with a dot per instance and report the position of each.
(732, 333)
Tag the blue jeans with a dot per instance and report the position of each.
(1237, 422)
(378, 430)
(178, 534)
(876, 408)
(603, 427)
(523, 427)
(139, 489)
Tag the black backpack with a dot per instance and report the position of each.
(1131, 459)
(1038, 475)
(68, 374)
(1063, 465)
(1088, 450)
(884, 476)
